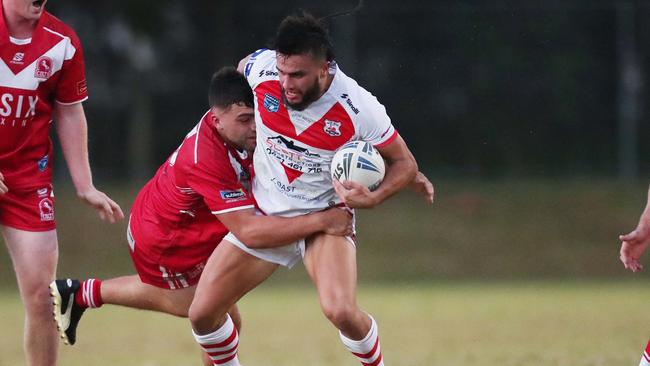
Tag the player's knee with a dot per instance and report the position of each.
(37, 301)
(198, 316)
(341, 314)
(204, 319)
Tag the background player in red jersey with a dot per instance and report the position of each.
(634, 244)
(297, 86)
(42, 78)
(197, 196)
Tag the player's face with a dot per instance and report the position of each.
(27, 9)
(236, 125)
(302, 78)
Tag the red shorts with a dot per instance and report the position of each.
(29, 209)
(160, 271)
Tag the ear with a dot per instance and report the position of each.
(213, 117)
(324, 69)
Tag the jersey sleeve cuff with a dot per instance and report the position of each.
(388, 140)
(74, 102)
(232, 209)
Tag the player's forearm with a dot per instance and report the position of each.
(275, 231)
(399, 174)
(73, 134)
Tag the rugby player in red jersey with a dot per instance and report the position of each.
(42, 78)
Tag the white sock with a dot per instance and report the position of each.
(221, 345)
(367, 350)
(645, 359)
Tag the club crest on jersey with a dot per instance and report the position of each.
(332, 128)
(271, 103)
(46, 208)
(43, 68)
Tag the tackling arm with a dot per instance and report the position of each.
(72, 130)
(258, 231)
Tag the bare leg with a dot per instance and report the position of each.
(332, 265)
(129, 291)
(34, 256)
(229, 274)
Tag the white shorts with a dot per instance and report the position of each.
(287, 255)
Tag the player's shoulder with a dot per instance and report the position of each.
(359, 102)
(56, 26)
(208, 148)
(261, 65)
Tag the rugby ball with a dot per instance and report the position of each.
(360, 162)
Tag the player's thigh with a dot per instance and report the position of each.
(228, 275)
(176, 302)
(181, 299)
(34, 255)
(332, 265)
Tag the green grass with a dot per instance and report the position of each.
(478, 278)
(498, 323)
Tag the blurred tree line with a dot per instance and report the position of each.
(477, 88)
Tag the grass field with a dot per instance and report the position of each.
(501, 324)
(503, 273)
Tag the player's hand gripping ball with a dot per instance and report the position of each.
(360, 162)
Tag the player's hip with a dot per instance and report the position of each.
(169, 262)
(30, 209)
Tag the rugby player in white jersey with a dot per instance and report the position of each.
(178, 218)
(42, 78)
(305, 109)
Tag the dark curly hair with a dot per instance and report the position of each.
(302, 34)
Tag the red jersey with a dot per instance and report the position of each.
(173, 216)
(34, 74)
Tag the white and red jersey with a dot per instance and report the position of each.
(295, 148)
(174, 214)
(34, 74)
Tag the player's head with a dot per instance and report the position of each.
(231, 103)
(26, 9)
(304, 53)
